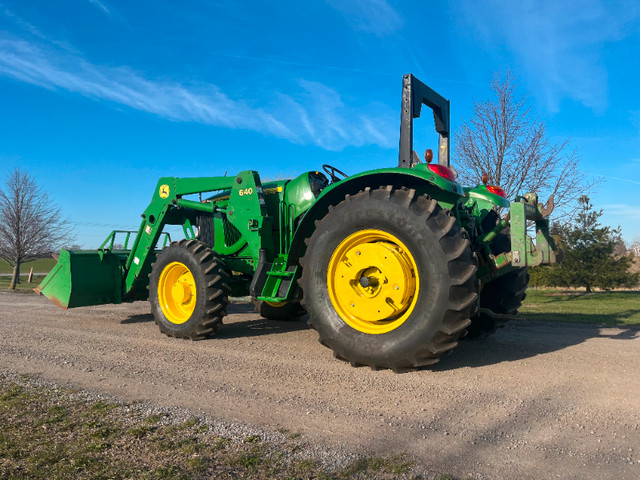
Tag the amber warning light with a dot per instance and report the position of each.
(428, 155)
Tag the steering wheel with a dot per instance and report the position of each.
(331, 171)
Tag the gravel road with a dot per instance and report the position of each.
(536, 400)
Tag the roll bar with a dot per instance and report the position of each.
(414, 95)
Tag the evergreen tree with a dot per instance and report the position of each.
(589, 260)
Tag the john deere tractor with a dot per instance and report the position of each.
(392, 265)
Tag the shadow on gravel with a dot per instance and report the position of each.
(260, 326)
(257, 326)
(240, 308)
(518, 340)
(141, 318)
(254, 327)
(521, 340)
(148, 317)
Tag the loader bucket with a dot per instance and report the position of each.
(82, 278)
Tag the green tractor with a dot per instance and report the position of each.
(392, 265)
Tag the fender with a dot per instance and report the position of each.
(445, 192)
(482, 194)
(481, 201)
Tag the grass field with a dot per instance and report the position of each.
(41, 265)
(24, 286)
(55, 433)
(606, 308)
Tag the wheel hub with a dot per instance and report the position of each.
(369, 281)
(177, 292)
(372, 281)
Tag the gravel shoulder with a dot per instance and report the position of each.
(535, 400)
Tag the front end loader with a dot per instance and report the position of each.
(392, 265)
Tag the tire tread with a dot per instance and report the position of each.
(215, 278)
(460, 275)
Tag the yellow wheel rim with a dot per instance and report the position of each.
(177, 292)
(276, 304)
(373, 281)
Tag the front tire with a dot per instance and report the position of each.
(188, 290)
(389, 280)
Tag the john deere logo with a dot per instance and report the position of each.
(164, 191)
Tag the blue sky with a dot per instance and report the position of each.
(99, 98)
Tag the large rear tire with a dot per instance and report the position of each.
(504, 295)
(188, 290)
(389, 280)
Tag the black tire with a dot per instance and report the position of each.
(286, 312)
(446, 268)
(210, 287)
(504, 295)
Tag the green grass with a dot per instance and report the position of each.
(24, 286)
(53, 433)
(602, 308)
(40, 265)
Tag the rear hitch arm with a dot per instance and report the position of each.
(524, 253)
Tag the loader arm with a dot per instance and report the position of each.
(246, 211)
(95, 277)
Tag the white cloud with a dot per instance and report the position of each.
(344, 125)
(317, 115)
(33, 31)
(100, 5)
(618, 179)
(558, 44)
(373, 16)
(28, 63)
(626, 211)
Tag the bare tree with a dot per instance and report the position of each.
(30, 225)
(504, 141)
